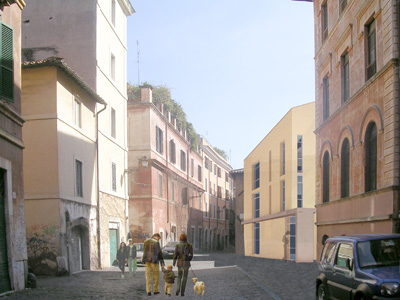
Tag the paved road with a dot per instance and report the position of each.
(234, 277)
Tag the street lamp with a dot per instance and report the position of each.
(145, 162)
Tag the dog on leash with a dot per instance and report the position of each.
(199, 287)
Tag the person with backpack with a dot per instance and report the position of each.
(182, 257)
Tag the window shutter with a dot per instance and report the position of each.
(6, 63)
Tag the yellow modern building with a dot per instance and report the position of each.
(279, 190)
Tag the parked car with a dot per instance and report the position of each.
(169, 249)
(139, 253)
(360, 267)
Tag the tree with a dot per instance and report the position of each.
(222, 153)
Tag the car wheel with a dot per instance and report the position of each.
(322, 292)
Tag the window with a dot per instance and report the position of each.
(112, 68)
(199, 174)
(192, 167)
(219, 172)
(77, 113)
(226, 194)
(205, 187)
(299, 153)
(345, 169)
(283, 158)
(283, 195)
(114, 177)
(113, 12)
(325, 95)
(324, 20)
(172, 152)
(257, 238)
(172, 191)
(256, 176)
(371, 149)
(256, 198)
(328, 252)
(345, 77)
(206, 163)
(345, 252)
(292, 238)
(270, 166)
(210, 188)
(325, 177)
(371, 50)
(226, 176)
(185, 195)
(300, 191)
(6, 63)
(215, 190)
(342, 5)
(183, 160)
(210, 166)
(78, 178)
(160, 192)
(113, 123)
(215, 169)
(159, 140)
(219, 192)
(200, 238)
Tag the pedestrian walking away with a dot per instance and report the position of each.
(169, 278)
(152, 257)
(182, 257)
(132, 263)
(122, 258)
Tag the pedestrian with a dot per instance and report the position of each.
(169, 278)
(132, 263)
(122, 258)
(182, 256)
(152, 256)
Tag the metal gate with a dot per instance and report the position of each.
(4, 275)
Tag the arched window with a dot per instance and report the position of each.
(325, 178)
(345, 169)
(371, 155)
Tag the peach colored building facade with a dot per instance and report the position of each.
(356, 117)
(164, 196)
(60, 168)
(279, 190)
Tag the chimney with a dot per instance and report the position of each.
(169, 117)
(146, 93)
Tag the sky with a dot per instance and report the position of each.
(236, 67)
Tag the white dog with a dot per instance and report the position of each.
(199, 287)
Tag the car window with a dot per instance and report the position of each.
(379, 253)
(345, 251)
(328, 253)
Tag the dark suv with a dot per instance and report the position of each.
(360, 267)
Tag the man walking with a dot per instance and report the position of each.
(152, 256)
(183, 254)
(131, 258)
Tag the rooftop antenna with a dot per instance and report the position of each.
(138, 62)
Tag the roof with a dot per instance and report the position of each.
(62, 66)
(365, 237)
(237, 171)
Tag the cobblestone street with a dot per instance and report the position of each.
(234, 277)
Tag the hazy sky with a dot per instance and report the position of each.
(236, 67)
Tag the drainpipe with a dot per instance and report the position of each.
(396, 20)
(98, 186)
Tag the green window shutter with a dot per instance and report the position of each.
(6, 63)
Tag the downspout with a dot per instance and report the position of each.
(167, 169)
(98, 185)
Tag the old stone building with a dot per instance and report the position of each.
(279, 190)
(217, 199)
(91, 37)
(238, 200)
(13, 252)
(357, 117)
(60, 144)
(165, 174)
